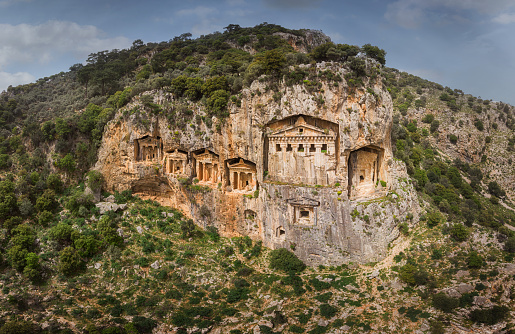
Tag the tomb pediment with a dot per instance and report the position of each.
(177, 155)
(303, 201)
(207, 156)
(302, 129)
(242, 165)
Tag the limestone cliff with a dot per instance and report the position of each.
(305, 168)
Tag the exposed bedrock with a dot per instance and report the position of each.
(310, 171)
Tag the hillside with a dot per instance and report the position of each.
(150, 191)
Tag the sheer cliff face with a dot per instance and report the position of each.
(296, 167)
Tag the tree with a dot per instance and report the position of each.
(8, 202)
(67, 163)
(442, 302)
(474, 260)
(47, 201)
(61, 128)
(217, 102)
(375, 53)
(273, 62)
(54, 183)
(187, 228)
(459, 232)
(283, 259)
(495, 189)
(69, 261)
(32, 269)
(84, 76)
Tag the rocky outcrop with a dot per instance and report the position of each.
(309, 169)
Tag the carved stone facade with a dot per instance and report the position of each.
(176, 162)
(207, 167)
(304, 210)
(242, 176)
(315, 168)
(148, 149)
(302, 153)
(364, 171)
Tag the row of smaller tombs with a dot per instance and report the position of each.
(238, 174)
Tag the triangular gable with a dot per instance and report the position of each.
(303, 201)
(242, 164)
(294, 130)
(206, 155)
(178, 154)
(148, 140)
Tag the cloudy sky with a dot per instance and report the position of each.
(465, 44)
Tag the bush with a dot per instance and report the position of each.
(453, 139)
(282, 259)
(187, 228)
(19, 327)
(459, 232)
(434, 218)
(495, 189)
(428, 118)
(474, 260)
(62, 233)
(69, 261)
(45, 217)
(489, 316)
(445, 303)
(327, 311)
(95, 180)
(509, 245)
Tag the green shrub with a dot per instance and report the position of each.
(474, 260)
(445, 303)
(489, 316)
(282, 259)
(19, 327)
(327, 311)
(69, 261)
(459, 232)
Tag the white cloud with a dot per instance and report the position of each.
(292, 3)
(5, 3)
(14, 79)
(412, 13)
(207, 19)
(42, 43)
(505, 18)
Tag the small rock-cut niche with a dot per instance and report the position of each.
(175, 162)
(148, 148)
(242, 175)
(280, 233)
(206, 167)
(304, 210)
(301, 149)
(250, 215)
(363, 169)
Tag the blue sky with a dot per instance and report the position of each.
(465, 44)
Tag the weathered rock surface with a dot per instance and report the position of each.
(343, 202)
